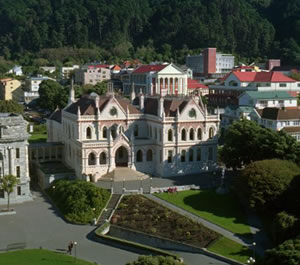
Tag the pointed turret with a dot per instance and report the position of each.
(132, 95)
(142, 100)
(161, 107)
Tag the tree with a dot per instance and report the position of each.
(8, 183)
(288, 253)
(246, 141)
(10, 106)
(265, 182)
(52, 95)
(156, 260)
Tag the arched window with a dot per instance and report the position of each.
(92, 159)
(183, 152)
(136, 130)
(183, 135)
(102, 158)
(104, 132)
(199, 134)
(170, 135)
(139, 156)
(88, 133)
(113, 132)
(191, 134)
(149, 155)
(191, 155)
(211, 132)
(198, 154)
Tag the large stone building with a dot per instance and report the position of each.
(163, 136)
(14, 155)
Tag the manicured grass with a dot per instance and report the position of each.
(37, 138)
(228, 248)
(39, 257)
(223, 210)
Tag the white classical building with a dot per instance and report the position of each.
(164, 136)
(158, 79)
(14, 155)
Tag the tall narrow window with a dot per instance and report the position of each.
(183, 135)
(170, 135)
(139, 156)
(191, 134)
(136, 130)
(104, 132)
(102, 158)
(199, 134)
(18, 172)
(199, 154)
(191, 155)
(113, 132)
(160, 156)
(155, 134)
(18, 190)
(149, 155)
(88, 133)
(210, 153)
(183, 156)
(17, 152)
(211, 132)
(170, 156)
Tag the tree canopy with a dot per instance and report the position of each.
(10, 106)
(149, 29)
(8, 184)
(246, 141)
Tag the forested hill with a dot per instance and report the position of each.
(170, 28)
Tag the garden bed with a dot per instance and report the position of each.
(141, 214)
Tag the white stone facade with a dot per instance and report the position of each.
(159, 136)
(14, 155)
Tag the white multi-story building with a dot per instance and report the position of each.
(14, 155)
(66, 70)
(92, 75)
(164, 136)
(158, 79)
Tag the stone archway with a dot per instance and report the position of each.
(121, 157)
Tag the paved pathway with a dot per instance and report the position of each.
(38, 224)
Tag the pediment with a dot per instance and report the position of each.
(171, 69)
(192, 112)
(113, 111)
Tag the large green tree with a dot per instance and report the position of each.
(264, 183)
(10, 106)
(8, 184)
(246, 141)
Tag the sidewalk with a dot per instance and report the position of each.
(259, 236)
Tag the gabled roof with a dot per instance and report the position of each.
(149, 68)
(56, 116)
(262, 77)
(194, 84)
(87, 105)
(279, 114)
(268, 95)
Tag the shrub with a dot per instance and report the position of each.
(288, 253)
(78, 200)
(293, 196)
(264, 182)
(284, 227)
(157, 260)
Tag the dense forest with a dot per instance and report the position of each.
(148, 29)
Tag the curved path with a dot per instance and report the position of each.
(38, 224)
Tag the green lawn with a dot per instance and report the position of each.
(39, 257)
(223, 210)
(38, 137)
(228, 248)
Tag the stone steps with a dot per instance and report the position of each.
(109, 209)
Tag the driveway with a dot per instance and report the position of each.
(39, 225)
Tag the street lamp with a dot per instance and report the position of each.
(251, 260)
(75, 254)
(254, 244)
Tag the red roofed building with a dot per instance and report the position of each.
(158, 79)
(236, 83)
(196, 88)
